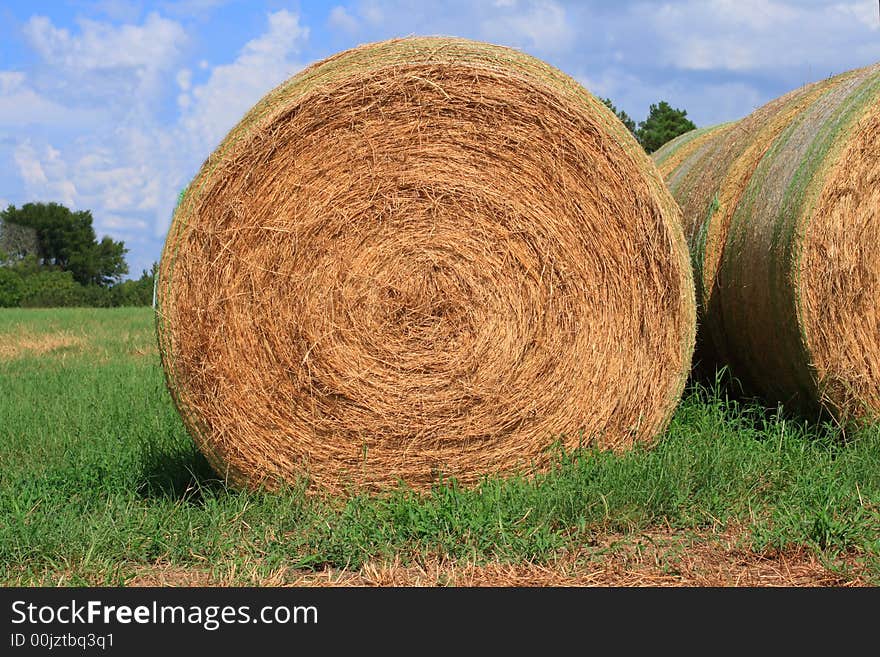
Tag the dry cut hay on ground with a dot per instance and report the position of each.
(655, 558)
(19, 345)
(420, 258)
(782, 210)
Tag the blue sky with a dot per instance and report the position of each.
(112, 105)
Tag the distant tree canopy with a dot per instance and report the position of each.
(663, 124)
(17, 242)
(49, 256)
(623, 116)
(61, 239)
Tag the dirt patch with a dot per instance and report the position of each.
(18, 345)
(662, 558)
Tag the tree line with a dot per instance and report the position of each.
(50, 256)
(664, 123)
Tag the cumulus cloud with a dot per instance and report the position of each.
(101, 45)
(720, 59)
(117, 64)
(118, 10)
(184, 82)
(111, 72)
(231, 89)
(340, 19)
(864, 12)
(192, 7)
(373, 13)
(115, 222)
(184, 79)
(753, 35)
(10, 81)
(130, 172)
(45, 171)
(542, 26)
(21, 105)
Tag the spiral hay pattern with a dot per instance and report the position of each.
(782, 212)
(421, 258)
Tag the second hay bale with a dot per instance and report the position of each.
(782, 210)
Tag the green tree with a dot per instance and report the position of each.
(16, 242)
(135, 292)
(623, 116)
(109, 262)
(49, 288)
(11, 288)
(663, 123)
(66, 241)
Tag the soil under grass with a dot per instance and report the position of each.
(100, 484)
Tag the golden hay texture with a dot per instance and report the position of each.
(782, 212)
(420, 258)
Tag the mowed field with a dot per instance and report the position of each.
(101, 485)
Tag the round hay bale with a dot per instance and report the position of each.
(782, 216)
(420, 258)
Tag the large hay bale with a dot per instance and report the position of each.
(423, 257)
(782, 215)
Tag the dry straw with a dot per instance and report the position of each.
(782, 211)
(420, 258)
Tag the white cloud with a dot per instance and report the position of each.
(193, 7)
(864, 12)
(45, 173)
(709, 47)
(340, 19)
(231, 89)
(117, 64)
(11, 81)
(29, 165)
(373, 13)
(738, 14)
(119, 10)
(752, 35)
(543, 26)
(539, 26)
(100, 45)
(184, 79)
(117, 76)
(184, 82)
(118, 223)
(130, 171)
(702, 54)
(21, 105)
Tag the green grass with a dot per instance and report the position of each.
(98, 478)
